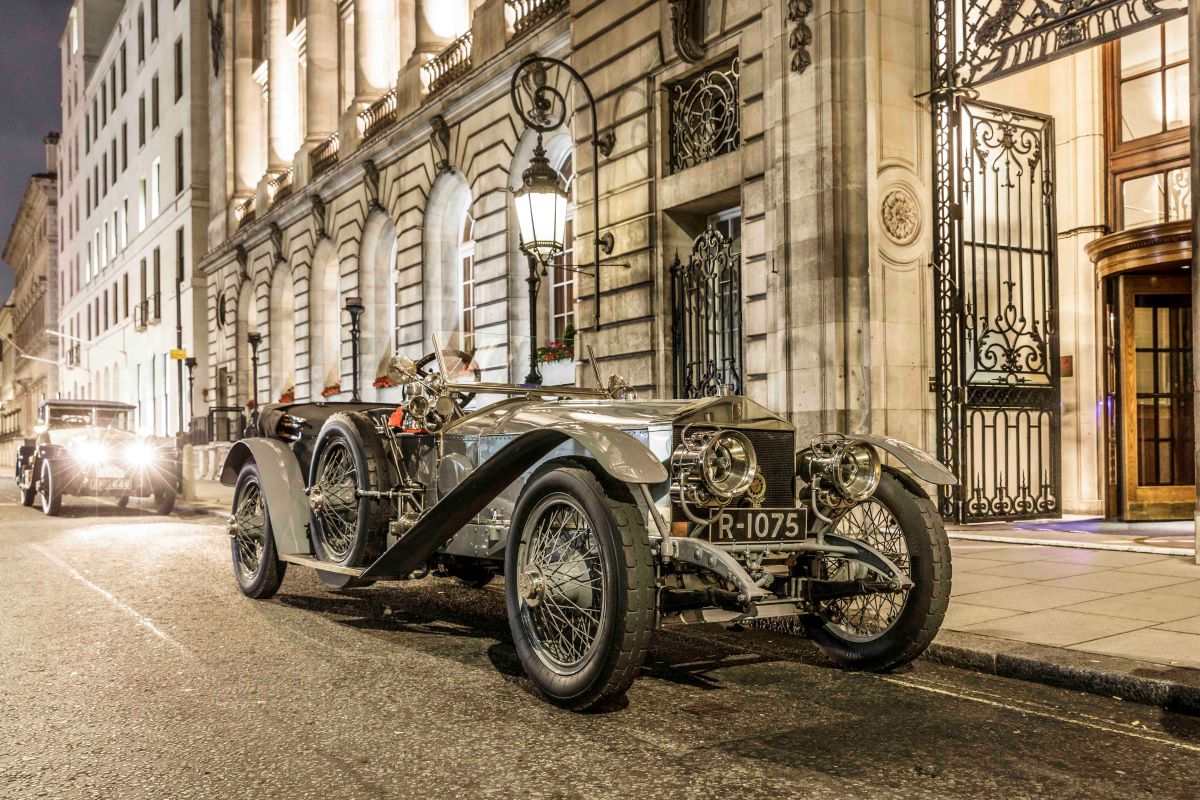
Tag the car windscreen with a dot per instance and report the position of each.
(84, 416)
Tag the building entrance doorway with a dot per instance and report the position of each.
(997, 238)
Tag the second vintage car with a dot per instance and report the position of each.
(87, 448)
(607, 516)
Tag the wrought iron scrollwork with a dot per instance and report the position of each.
(1002, 36)
(705, 117)
(707, 322)
(439, 140)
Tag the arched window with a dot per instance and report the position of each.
(448, 283)
(324, 324)
(281, 345)
(377, 287)
(561, 288)
(466, 257)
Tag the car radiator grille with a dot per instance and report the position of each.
(776, 451)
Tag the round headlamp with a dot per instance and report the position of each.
(728, 465)
(713, 466)
(855, 471)
(141, 454)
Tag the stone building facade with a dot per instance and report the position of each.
(30, 353)
(133, 215)
(368, 148)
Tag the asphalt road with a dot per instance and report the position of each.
(131, 667)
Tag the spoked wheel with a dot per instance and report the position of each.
(50, 491)
(580, 588)
(348, 524)
(883, 630)
(255, 565)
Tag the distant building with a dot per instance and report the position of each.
(133, 161)
(30, 372)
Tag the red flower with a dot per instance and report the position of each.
(384, 382)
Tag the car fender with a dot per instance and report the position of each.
(923, 465)
(282, 485)
(618, 453)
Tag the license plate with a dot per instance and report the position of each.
(759, 525)
(115, 484)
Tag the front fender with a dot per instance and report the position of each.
(282, 485)
(923, 465)
(619, 454)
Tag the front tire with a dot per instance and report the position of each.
(579, 587)
(880, 632)
(258, 570)
(51, 494)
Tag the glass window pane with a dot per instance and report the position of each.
(1142, 199)
(1143, 327)
(1141, 107)
(1179, 194)
(1177, 40)
(1177, 97)
(1142, 51)
(1145, 373)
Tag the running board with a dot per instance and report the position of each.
(324, 566)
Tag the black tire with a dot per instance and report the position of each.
(164, 501)
(28, 493)
(911, 629)
(348, 530)
(123, 501)
(51, 494)
(625, 617)
(257, 569)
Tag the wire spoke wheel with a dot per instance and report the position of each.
(561, 584)
(334, 499)
(249, 525)
(867, 616)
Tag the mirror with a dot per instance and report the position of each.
(402, 369)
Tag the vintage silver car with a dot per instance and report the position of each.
(88, 448)
(608, 517)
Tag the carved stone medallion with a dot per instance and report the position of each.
(901, 215)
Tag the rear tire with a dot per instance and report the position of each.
(164, 501)
(852, 634)
(579, 587)
(51, 494)
(257, 569)
(123, 501)
(348, 458)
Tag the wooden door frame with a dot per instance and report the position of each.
(1139, 502)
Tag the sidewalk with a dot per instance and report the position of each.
(1134, 605)
(211, 498)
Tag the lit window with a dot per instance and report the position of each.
(466, 257)
(562, 274)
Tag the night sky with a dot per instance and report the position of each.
(29, 107)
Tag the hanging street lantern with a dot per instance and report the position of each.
(542, 209)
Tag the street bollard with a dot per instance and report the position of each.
(188, 468)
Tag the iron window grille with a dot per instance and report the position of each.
(705, 116)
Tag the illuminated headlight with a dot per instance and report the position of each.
(852, 468)
(141, 454)
(713, 467)
(89, 453)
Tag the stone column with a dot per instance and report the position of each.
(283, 90)
(374, 64)
(1194, 52)
(436, 23)
(321, 60)
(247, 120)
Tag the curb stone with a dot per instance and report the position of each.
(1173, 688)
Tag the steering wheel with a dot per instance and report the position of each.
(461, 399)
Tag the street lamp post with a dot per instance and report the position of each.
(190, 363)
(534, 378)
(254, 339)
(355, 308)
(542, 200)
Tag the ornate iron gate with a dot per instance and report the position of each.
(996, 375)
(707, 323)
